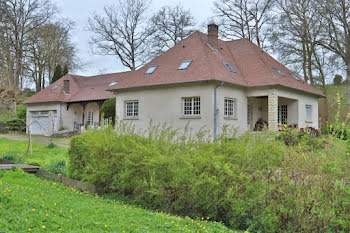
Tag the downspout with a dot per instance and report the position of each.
(216, 109)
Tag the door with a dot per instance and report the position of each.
(39, 122)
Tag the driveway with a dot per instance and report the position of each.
(62, 142)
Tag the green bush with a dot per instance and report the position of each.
(51, 145)
(16, 125)
(57, 167)
(21, 112)
(13, 158)
(337, 80)
(246, 182)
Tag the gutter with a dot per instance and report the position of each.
(216, 110)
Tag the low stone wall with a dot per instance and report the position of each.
(70, 182)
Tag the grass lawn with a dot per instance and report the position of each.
(41, 153)
(28, 203)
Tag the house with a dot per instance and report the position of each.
(202, 81)
(72, 103)
(209, 83)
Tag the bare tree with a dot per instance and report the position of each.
(171, 25)
(19, 18)
(336, 14)
(122, 31)
(244, 19)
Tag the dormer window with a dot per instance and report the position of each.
(279, 71)
(229, 67)
(112, 83)
(55, 87)
(151, 69)
(184, 65)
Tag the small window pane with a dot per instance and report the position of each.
(132, 108)
(279, 71)
(184, 65)
(192, 106)
(55, 87)
(229, 110)
(229, 68)
(112, 83)
(151, 69)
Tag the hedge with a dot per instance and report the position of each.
(246, 182)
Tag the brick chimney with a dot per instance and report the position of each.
(213, 34)
(66, 87)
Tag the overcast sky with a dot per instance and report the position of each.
(79, 11)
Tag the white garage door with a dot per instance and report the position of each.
(40, 122)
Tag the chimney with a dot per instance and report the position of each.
(213, 34)
(66, 87)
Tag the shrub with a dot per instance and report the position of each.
(51, 145)
(246, 182)
(337, 79)
(108, 108)
(13, 158)
(16, 125)
(21, 112)
(57, 167)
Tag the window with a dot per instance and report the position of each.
(308, 113)
(230, 108)
(295, 76)
(229, 67)
(279, 71)
(151, 69)
(192, 106)
(184, 65)
(282, 114)
(112, 83)
(132, 108)
(249, 114)
(55, 87)
(90, 118)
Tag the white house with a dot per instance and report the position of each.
(203, 81)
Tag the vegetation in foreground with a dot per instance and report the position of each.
(30, 204)
(295, 183)
(50, 158)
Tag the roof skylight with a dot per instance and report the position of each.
(184, 65)
(295, 76)
(229, 67)
(55, 87)
(112, 83)
(279, 71)
(151, 69)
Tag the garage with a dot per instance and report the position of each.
(43, 122)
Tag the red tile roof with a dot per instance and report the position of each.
(253, 66)
(81, 89)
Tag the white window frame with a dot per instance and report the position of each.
(308, 110)
(191, 111)
(230, 111)
(90, 118)
(283, 111)
(249, 114)
(134, 109)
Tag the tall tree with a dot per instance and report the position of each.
(57, 74)
(65, 70)
(171, 25)
(245, 19)
(123, 31)
(336, 14)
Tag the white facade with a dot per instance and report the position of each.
(164, 104)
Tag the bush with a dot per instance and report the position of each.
(337, 79)
(16, 125)
(13, 158)
(51, 145)
(108, 108)
(57, 167)
(247, 182)
(21, 112)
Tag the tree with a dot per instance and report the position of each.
(338, 79)
(65, 70)
(337, 32)
(122, 31)
(244, 19)
(57, 74)
(171, 25)
(108, 108)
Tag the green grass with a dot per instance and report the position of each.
(41, 153)
(28, 203)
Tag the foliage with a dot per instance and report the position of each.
(21, 112)
(65, 70)
(108, 108)
(40, 205)
(57, 167)
(41, 154)
(57, 74)
(337, 80)
(248, 183)
(13, 158)
(51, 145)
(16, 125)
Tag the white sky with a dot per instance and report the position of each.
(79, 10)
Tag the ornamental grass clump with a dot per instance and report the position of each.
(248, 183)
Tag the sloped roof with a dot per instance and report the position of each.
(81, 89)
(253, 67)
